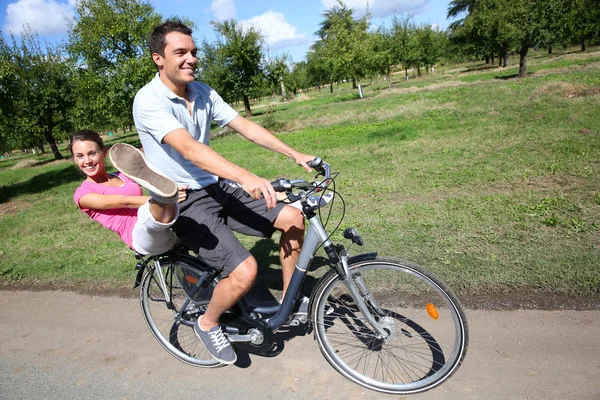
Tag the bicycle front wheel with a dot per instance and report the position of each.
(426, 328)
(171, 314)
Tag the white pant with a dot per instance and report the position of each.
(150, 236)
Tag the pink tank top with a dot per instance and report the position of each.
(119, 220)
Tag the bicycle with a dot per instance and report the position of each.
(385, 324)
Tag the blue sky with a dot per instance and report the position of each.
(288, 26)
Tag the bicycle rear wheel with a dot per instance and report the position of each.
(427, 328)
(172, 327)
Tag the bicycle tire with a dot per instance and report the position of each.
(177, 337)
(427, 327)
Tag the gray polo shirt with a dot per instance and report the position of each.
(158, 111)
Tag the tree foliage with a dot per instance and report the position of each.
(37, 94)
(232, 64)
(109, 41)
(490, 27)
(345, 43)
(277, 75)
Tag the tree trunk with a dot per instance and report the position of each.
(331, 87)
(493, 59)
(582, 44)
(247, 106)
(549, 49)
(500, 61)
(505, 57)
(52, 143)
(353, 83)
(523, 62)
(487, 59)
(418, 71)
(427, 70)
(41, 146)
(406, 70)
(389, 79)
(283, 94)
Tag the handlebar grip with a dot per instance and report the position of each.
(317, 164)
(278, 185)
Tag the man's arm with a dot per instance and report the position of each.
(209, 160)
(259, 135)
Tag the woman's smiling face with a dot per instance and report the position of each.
(89, 157)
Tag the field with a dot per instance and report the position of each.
(490, 181)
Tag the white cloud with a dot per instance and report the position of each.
(45, 17)
(223, 9)
(278, 33)
(380, 8)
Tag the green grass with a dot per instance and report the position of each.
(493, 184)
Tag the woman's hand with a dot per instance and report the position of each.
(182, 193)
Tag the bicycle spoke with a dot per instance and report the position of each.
(172, 328)
(420, 347)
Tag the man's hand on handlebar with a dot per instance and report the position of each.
(258, 187)
(303, 160)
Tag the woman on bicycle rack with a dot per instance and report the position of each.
(116, 200)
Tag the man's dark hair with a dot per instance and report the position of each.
(157, 41)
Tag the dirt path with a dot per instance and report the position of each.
(60, 345)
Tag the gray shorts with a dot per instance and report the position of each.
(208, 216)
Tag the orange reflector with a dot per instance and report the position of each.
(191, 279)
(432, 311)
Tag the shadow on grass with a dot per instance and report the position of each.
(507, 77)
(406, 133)
(41, 183)
(481, 67)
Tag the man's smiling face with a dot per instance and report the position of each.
(178, 65)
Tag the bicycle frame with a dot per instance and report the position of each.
(314, 238)
(389, 345)
(316, 235)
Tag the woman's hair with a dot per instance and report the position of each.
(84, 135)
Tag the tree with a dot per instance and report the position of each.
(492, 26)
(382, 59)
(583, 25)
(320, 68)
(299, 77)
(530, 19)
(405, 47)
(109, 42)
(277, 73)
(38, 93)
(345, 43)
(9, 88)
(233, 63)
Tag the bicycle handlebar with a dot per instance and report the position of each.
(321, 166)
(284, 185)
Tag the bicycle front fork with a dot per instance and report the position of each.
(359, 291)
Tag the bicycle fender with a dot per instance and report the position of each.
(138, 277)
(362, 257)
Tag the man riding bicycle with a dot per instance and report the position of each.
(173, 114)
